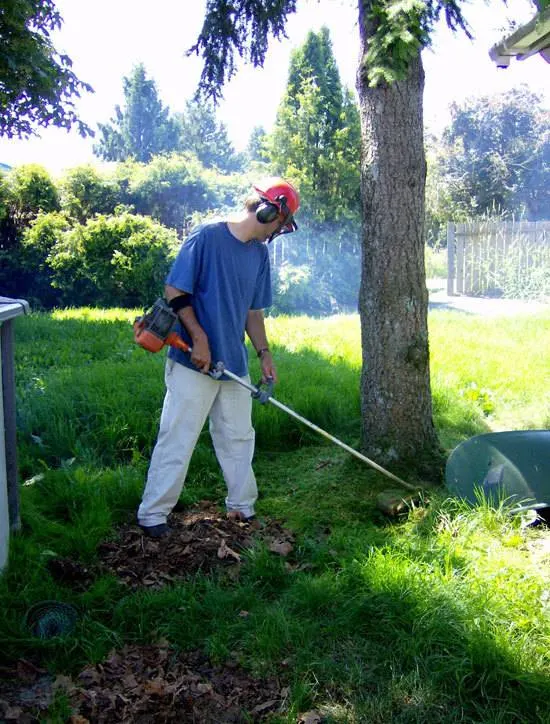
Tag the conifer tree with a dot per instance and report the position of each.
(316, 138)
(143, 128)
(396, 402)
(256, 147)
(202, 134)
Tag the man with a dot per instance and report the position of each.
(218, 286)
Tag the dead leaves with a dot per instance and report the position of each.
(202, 539)
(24, 688)
(154, 683)
(143, 684)
(309, 717)
(71, 573)
(281, 547)
(224, 551)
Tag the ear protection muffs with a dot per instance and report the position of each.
(268, 211)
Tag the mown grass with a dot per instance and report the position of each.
(439, 618)
(500, 364)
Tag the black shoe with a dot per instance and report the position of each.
(239, 517)
(156, 531)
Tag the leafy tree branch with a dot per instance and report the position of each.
(37, 85)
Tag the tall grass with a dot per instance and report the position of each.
(442, 617)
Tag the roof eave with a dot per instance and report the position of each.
(529, 39)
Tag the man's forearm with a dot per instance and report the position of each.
(255, 328)
(189, 321)
(186, 315)
(200, 355)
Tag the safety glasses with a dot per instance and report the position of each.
(289, 224)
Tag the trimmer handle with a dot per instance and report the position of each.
(263, 395)
(174, 340)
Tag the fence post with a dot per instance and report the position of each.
(450, 258)
(459, 232)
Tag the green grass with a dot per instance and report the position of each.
(443, 617)
(499, 364)
(435, 262)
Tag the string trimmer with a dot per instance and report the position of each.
(155, 329)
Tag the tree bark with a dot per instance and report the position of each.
(396, 402)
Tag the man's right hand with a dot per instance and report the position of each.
(200, 356)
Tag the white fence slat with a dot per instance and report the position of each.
(482, 254)
(451, 259)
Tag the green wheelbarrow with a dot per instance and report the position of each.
(512, 466)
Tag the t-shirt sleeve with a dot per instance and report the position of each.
(262, 295)
(186, 267)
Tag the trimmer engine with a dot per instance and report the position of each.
(154, 329)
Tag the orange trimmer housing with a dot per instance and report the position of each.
(155, 329)
(174, 340)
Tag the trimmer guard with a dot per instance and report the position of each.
(512, 466)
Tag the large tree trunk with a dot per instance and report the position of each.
(396, 401)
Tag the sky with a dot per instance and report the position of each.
(106, 38)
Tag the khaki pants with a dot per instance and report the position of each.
(190, 398)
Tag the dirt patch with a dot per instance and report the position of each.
(141, 684)
(202, 539)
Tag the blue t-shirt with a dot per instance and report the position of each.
(227, 278)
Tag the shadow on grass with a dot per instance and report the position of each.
(362, 619)
(403, 649)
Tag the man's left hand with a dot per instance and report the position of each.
(268, 368)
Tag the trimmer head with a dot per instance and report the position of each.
(394, 503)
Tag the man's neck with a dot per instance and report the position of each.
(241, 228)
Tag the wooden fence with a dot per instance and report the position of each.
(498, 258)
